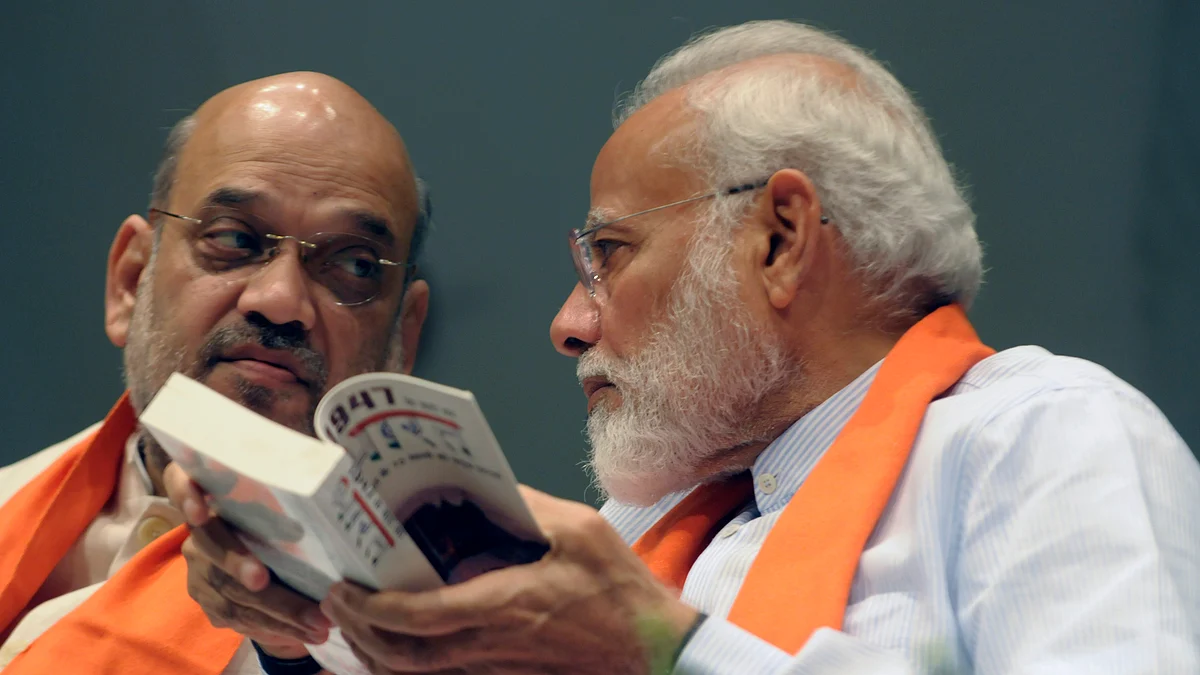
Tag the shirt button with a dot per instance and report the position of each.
(152, 528)
(766, 483)
(729, 530)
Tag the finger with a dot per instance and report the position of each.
(362, 656)
(536, 499)
(551, 513)
(223, 612)
(216, 542)
(440, 611)
(268, 630)
(275, 600)
(394, 653)
(185, 494)
(542, 506)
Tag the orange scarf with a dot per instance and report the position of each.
(141, 621)
(800, 580)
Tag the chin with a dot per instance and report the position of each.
(644, 489)
(281, 406)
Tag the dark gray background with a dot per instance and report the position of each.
(1074, 123)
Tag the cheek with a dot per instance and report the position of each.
(354, 341)
(640, 292)
(626, 318)
(190, 307)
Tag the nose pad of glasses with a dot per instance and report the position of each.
(579, 256)
(589, 282)
(304, 247)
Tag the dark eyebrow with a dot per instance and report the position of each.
(231, 196)
(373, 224)
(368, 222)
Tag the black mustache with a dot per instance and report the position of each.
(257, 329)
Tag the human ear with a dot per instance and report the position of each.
(127, 260)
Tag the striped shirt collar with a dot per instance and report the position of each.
(788, 460)
(784, 465)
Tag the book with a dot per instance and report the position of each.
(403, 487)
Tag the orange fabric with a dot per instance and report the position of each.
(673, 543)
(40, 522)
(141, 621)
(800, 579)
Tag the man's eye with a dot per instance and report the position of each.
(234, 239)
(605, 248)
(353, 264)
(230, 244)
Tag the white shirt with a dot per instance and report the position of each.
(1047, 521)
(132, 519)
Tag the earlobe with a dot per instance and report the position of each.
(127, 260)
(412, 319)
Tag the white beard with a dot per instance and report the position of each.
(693, 392)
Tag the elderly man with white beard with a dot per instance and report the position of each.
(813, 464)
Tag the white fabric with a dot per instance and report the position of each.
(1048, 521)
(133, 518)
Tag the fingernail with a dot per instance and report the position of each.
(316, 619)
(327, 609)
(193, 512)
(317, 637)
(251, 574)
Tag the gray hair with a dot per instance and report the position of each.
(164, 175)
(168, 165)
(867, 147)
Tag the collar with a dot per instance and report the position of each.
(135, 454)
(783, 466)
(779, 470)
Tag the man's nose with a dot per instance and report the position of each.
(281, 291)
(576, 327)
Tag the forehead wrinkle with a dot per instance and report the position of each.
(268, 177)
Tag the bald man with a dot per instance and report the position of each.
(92, 578)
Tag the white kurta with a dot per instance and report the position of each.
(132, 519)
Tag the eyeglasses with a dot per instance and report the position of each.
(355, 269)
(590, 259)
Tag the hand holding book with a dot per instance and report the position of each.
(234, 588)
(405, 487)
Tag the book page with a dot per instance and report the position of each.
(297, 502)
(429, 454)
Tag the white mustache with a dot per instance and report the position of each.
(594, 364)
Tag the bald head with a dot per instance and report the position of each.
(304, 115)
(301, 108)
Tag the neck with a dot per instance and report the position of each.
(844, 357)
(155, 459)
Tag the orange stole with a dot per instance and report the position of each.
(141, 621)
(800, 579)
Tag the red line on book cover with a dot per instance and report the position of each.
(370, 514)
(357, 428)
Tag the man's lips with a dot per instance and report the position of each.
(269, 364)
(592, 385)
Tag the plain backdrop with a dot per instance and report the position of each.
(1072, 121)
